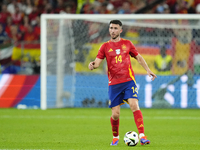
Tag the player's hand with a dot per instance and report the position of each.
(91, 65)
(152, 75)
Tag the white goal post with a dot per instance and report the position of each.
(58, 48)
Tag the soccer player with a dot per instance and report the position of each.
(122, 84)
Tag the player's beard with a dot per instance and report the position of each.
(115, 37)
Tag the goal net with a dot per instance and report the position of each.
(70, 42)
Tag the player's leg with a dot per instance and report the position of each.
(138, 117)
(116, 95)
(114, 120)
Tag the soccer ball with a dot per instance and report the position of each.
(131, 138)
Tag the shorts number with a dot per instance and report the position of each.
(135, 90)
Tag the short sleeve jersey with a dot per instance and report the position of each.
(118, 60)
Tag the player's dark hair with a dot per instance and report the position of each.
(116, 22)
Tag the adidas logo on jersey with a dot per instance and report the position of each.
(110, 50)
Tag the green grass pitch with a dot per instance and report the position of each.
(90, 129)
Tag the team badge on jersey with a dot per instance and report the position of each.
(117, 51)
(123, 47)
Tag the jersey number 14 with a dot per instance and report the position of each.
(118, 58)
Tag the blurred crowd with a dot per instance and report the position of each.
(140, 6)
(20, 19)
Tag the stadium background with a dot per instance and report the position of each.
(20, 55)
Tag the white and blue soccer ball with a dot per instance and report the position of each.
(131, 138)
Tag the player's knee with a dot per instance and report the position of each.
(134, 105)
(115, 115)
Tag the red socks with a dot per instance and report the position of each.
(139, 121)
(115, 126)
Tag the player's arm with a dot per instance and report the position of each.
(95, 64)
(143, 63)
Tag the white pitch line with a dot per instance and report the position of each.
(94, 117)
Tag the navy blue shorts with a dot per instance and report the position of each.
(120, 93)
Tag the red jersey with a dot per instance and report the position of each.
(30, 36)
(118, 60)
